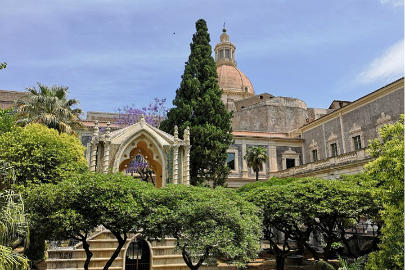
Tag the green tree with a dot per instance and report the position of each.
(255, 157)
(206, 223)
(198, 105)
(7, 120)
(3, 65)
(301, 207)
(75, 207)
(39, 154)
(387, 169)
(49, 106)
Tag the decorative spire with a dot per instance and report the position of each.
(187, 135)
(225, 50)
(108, 131)
(143, 121)
(95, 129)
(176, 133)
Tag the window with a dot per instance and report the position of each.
(333, 149)
(314, 155)
(86, 139)
(221, 54)
(230, 162)
(227, 53)
(290, 162)
(357, 142)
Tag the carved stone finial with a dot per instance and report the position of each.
(176, 132)
(187, 135)
(108, 130)
(142, 121)
(95, 129)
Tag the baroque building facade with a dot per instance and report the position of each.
(300, 141)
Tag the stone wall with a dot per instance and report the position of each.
(362, 118)
(278, 114)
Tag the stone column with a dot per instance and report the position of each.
(94, 143)
(176, 156)
(107, 143)
(244, 164)
(273, 158)
(187, 156)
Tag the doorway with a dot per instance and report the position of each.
(138, 255)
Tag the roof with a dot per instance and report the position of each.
(122, 135)
(231, 78)
(8, 98)
(354, 103)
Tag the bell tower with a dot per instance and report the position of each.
(225, 51)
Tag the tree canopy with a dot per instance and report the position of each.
(299, 208)
(39, 154)
(198, 105)
(387, 170)
(75, 207)
(206, 223)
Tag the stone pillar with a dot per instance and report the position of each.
(94, 143)
(244, 163)
(176, 156)
(107, 143)
(187, 147)
(273, 158)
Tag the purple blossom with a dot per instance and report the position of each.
(154, 113)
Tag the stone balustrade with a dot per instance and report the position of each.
(309, 169)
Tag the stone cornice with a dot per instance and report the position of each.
(356, 104)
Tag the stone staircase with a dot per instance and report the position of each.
(102, 244)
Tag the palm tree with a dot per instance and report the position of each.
(255, 157)
(49, 106)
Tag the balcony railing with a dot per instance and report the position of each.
(355, 156)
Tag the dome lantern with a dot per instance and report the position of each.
(225, 50)
(233, 82)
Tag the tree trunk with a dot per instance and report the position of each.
(280, 260)
(188, 261)
(121, 243)
(312, 250)
(89, 254)
(257, 175)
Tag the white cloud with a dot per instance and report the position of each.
(388, 66)
(395, 3)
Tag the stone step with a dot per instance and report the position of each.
(90, 268)
(68, 264)
(80, 253)
(168, 260)
(164, 242)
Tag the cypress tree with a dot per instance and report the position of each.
(198, 105)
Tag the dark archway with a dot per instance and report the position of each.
(137, 256)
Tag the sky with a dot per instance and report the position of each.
(113, 53)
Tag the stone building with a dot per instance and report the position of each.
(167, 155)
(301, 141)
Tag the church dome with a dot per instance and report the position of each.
(230, 78)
